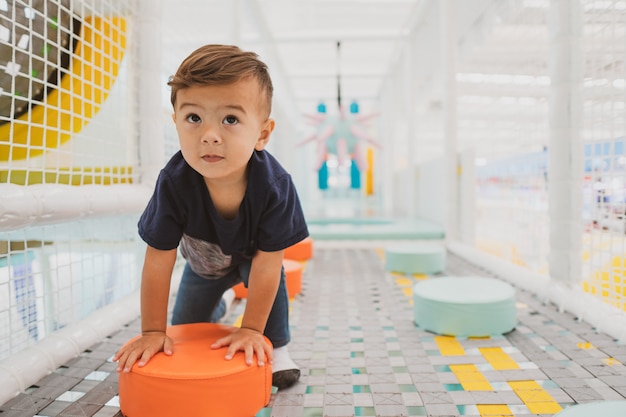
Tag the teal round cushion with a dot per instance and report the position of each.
(464, 306)
(415, 258)
(600, 409)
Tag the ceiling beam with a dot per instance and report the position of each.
(282, 88)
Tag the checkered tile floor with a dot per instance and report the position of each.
(361, 355)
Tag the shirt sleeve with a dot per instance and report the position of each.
(282, 223)
(162, 223)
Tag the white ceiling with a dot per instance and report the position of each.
(298, 40)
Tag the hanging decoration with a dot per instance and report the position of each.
(341, 135)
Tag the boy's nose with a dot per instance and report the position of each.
(210, 135)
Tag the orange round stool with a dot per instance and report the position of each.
(293, 279)
(196, 380)
(301, 251)
(293, 273)
(240, 291)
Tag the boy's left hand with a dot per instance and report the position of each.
(249, 342)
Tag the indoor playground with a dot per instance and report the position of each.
(461, 165)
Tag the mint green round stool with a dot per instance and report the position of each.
(600, 409)
(464, 306)
(415, 258)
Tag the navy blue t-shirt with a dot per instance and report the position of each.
(181, 212)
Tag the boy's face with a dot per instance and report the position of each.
(220, 126)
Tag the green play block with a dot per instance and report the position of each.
(600, 409)
(415, 258)
(464, 306)
(373, 228)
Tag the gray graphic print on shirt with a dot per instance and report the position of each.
(205, 258)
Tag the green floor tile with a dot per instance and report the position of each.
(313, 412)
(364, 411)
(317, 371)
(361, 388)
(500, 386)
(466, 410)
(319, 355)
(548, 384)
(416, 411)
(315, 389)
(266, 412)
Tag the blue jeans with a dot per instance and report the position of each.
(198, 299)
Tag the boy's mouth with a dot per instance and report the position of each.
(212, 158)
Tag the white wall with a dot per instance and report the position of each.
(430, 194)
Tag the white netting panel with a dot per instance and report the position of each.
(604, 138)
(65, 95)
(503, 102)
(68, 152)
(509, 104)
(52, 276)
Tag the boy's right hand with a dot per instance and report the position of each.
(142, 349)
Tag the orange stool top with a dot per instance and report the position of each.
(196, 380)
(301, 251)
(293, 279)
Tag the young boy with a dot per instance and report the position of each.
(232, 208)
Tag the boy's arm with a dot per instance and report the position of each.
(262, 288)
(155, 289)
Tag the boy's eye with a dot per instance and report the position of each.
(194, 118)
(230, 120)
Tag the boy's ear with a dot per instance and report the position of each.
(174, 117)
(264, 134)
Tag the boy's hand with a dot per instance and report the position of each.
(142, 349)
(248, 341)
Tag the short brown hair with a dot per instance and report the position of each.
(221, 65)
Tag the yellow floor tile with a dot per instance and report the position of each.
(470, 378)
(404, 281)
(449, 346)
(545, 408)
(492, 410)
(498, 358)
(538, 400)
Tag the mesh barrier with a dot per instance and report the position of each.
(511, 193)
(66, 123)
(52, 276)
(510, 105)
(604, 185)
(65, 115)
